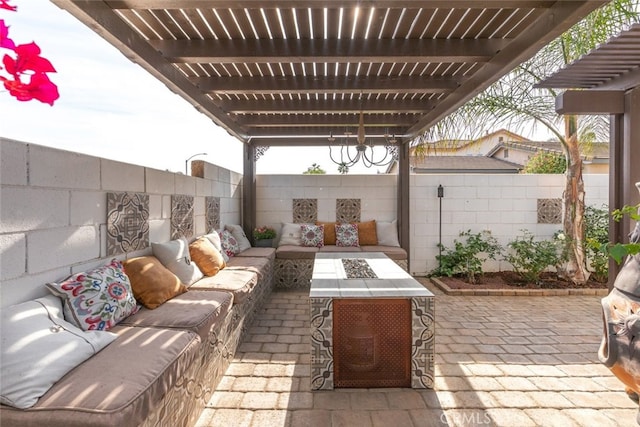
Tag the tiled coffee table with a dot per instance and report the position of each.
(361, 305)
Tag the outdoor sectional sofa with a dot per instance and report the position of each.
(165, 363)
(294, 260)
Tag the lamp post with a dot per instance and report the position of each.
(186, 162)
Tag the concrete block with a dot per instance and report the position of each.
(199, 206)
(54, 248)
(203, 187)
(155, 206)
(118, 176)
(13, 256)
(13, 162)
(199, 225)
(25, 208)
(49, 167)
(29, 287)
(166, 207)
(160, 230)
(88, 207)
(185, 184)
(159, 182)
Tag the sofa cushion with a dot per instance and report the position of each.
(329, 232)
(258, 265)
(367, 234)
(238, 233)
(196, 311)
(387, 233)
(237, 282)
(38, 347)
(312, 235)
(258, 253)
(290, 234)
(296, 252)
(347, 235)
(334, 248)
(229, 244)
(152, 282)
(119, 386)
(208, 259)
(392, 252)
(96, 299)
(175, 256)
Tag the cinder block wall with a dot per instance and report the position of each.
(503, 204)
(53, 211)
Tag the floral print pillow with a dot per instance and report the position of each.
(312, 235)
(230, 245)
(347, 235)
(97, 299)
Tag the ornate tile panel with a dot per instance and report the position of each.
(181, 216)
(127, 222)
(212, 213)
(305, 210)
(549, 211)
(321, 311)
(423, 342)
(348, 210)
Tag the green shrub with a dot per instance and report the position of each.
(530, 258)
(546, 162)
(596, 233)
(466, 257)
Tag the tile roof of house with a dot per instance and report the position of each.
(599, 150)
(465, 164)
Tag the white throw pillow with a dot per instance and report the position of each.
(387, 233)
(214, 238)
(175, 256)
(38, 347)
(291, 234)
(237, 232)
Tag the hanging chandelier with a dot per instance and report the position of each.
(364, 151)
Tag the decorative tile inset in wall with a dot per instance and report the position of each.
(305, 210)
(549, 211)
(212, 214)
(423, 332)
(348, 210)
(321, 343)
(181, 216)
(127, 222)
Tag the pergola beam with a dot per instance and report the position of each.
(590, 102)
(268, 4)
(378, 106)
(302, 85)
(331, 50)
(311, 120)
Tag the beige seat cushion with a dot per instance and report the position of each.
(334, 248)
(238, 283)
(195, 311)
(258, 253)
(119, 386)
(296, 252)
(392, 252)
(257, 265)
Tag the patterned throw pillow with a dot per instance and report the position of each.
(312, 235)
(97, 299)
(229, 243)
(347, 235)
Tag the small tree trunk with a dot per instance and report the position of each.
(575, 268)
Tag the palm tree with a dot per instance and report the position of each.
(515, 102)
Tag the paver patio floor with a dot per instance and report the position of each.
(500, 361)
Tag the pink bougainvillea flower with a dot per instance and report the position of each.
(39, 87)
(28, 59)
(4, 4)
(5, 41)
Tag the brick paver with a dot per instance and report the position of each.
(501, 361)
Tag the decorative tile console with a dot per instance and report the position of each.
(361, 306)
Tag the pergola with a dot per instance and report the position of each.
(294, 72)
(608, 79)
